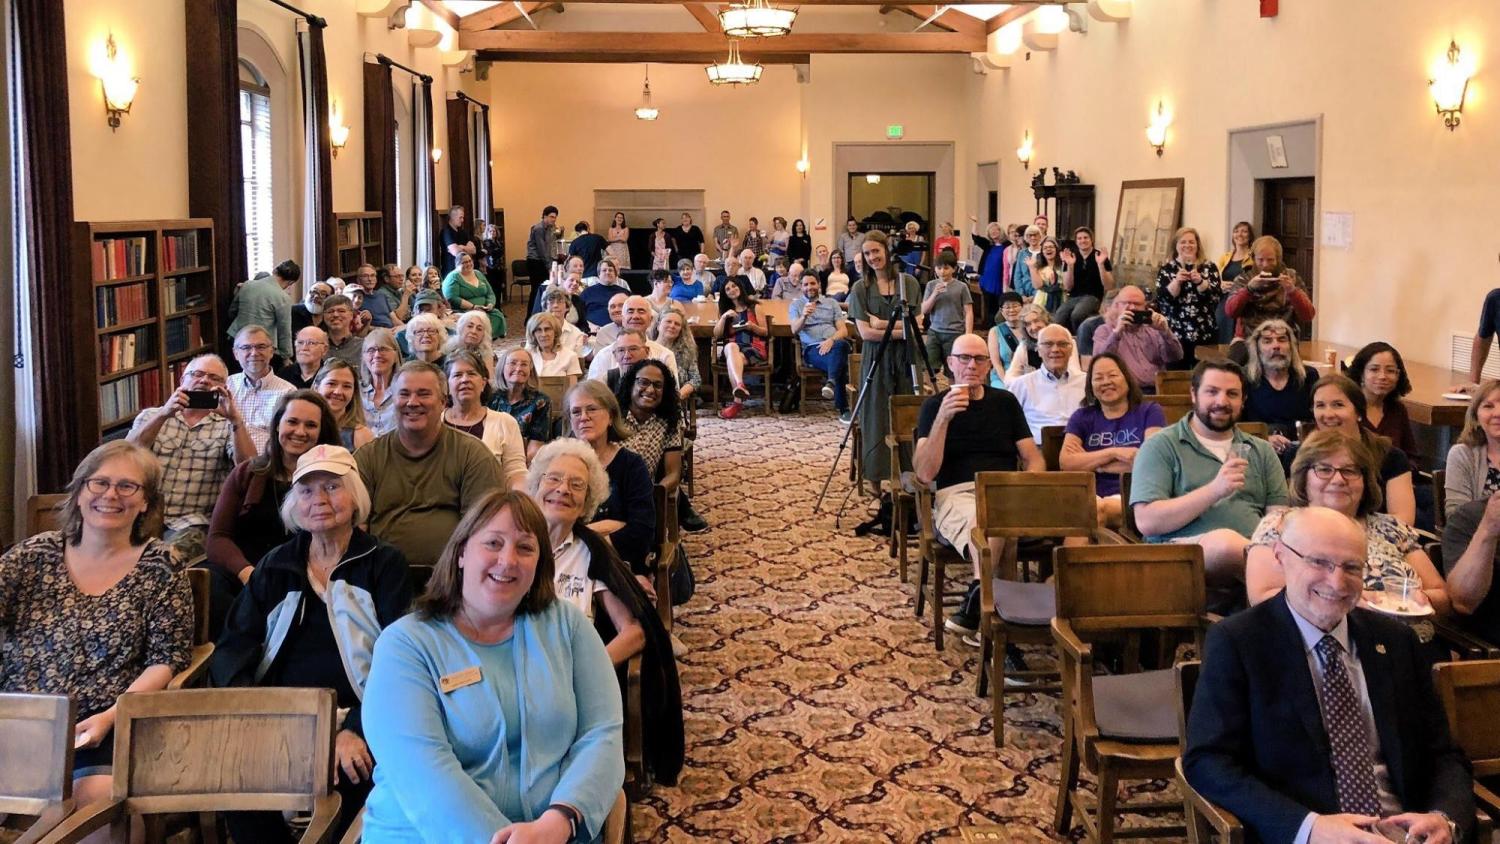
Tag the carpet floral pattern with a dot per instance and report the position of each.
(817, 707)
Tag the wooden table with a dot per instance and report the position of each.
(703, 315)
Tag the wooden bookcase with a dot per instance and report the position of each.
(359, 242)
(154, 305)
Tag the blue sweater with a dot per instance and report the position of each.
(443, 769)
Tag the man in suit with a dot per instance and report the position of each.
(1316, 721)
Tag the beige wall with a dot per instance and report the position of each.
(1385, 155)
(562, 131)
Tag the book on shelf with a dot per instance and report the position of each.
(180, 298)
(181, 251)
(126, 350)
(118, 257)
(126, 397)
(121, 304)
(184, 333)
(348, 233)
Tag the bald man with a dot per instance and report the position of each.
(638, 315)
(969, 428)
(1049, 395)
(1314, 719)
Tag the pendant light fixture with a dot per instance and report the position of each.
(756, 19)
(733, 70)
(646, 111)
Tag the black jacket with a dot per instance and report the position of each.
(1256, 744)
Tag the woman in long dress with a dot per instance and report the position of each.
(619, 241)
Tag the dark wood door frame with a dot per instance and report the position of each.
(1288, 213)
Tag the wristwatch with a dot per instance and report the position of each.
(575, 819)
(1452, 826)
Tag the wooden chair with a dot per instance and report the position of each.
(1175, 406)
(804, 373)
(1470, 692)
(1128, 527)
(208, 750)
(1015, 506)
(668, 534)
(36, 780)
(1052, 445)
(44, 513)
(637, 772)
(717, 367)
(1255, 429)
(1121, 726)
(1174, 382)
(856, 440)
(901, 439)
(200, 579)
(934, 556)
(1439, 498)
(1204, 819)
(689, 436)
(555, 388)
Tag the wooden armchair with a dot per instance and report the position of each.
(901, 439)
(209, 750)
(717, 367)
(203, 647)
(637, 772)
(664, 542)
(36, 780)
(804, 375)
(689, 436)
(1470, 692)
(1128, 528)
(1122, 725)
(1052, 445)
(44, 513)
(1015, 506)
(555, 388)
(1204, 819)
(934, 556)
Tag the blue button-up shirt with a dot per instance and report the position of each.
(822, 322)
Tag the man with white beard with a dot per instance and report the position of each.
(310, 310)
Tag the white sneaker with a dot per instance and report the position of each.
(827, 391)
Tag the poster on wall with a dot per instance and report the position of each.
(1149, 213)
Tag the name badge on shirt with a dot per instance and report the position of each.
(458, 679)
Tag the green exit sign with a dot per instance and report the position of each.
(895, 131)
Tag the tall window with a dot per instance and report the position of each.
(401, 189)
(255, 149)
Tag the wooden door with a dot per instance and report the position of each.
(1289, 218)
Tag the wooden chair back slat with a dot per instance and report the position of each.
(903, 417)
(243, 749)
(555, 387)
(36, 740)
(1174, 382)
(1052, 445)
(1255, 429)
(1175, 406)
(1104, 587)
(1035, 504)
(44, 513)
(1127, 512)
(1470, 692)
(1187, 684)
(200, 579)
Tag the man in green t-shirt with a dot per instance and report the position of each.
(424, 475)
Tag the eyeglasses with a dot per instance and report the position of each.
(423, 332)
(1054, 344)
(585, 410)
(203, 375)
(125, 489)
(1326, 472)
(379, 350)
(308, 344)
(253, 347)
(1354, 569)
(970, 360)
(647, 384)
(573, 484)
(627, 350)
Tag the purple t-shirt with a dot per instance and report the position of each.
(1089, 425)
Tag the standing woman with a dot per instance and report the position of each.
(1381, 374)
(338, 383)
(549, 356)
(378, 361)
(468, 394)
(516, 393)
(466, 289)
(1188, 295)
(663, 248)
(627, 518)
(1234, 266)
(1051, 276)
(872, 302)
(618, 237)
(992, 265)
(740, 323)
(1092, 275)
(780, 241)
(104, 571)
(799, 247)
(1020, 278)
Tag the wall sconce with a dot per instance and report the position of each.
(338, 133)
(1156, 133)
(1023, 152)
(802, 166)
(1450, 84)
(118, 85)
(437, 155)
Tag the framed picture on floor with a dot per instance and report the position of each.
(1149, 213)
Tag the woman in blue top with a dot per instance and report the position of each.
(686, 287)
(494, 707)
(1106, 431)
(991, 266)
(1005, 337)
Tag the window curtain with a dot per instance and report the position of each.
(482, 166)
(51, 321)
(380, 151)
(216, 186)
(422, 163)
(319, 238)
(460, 157)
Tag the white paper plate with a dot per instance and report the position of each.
(1457, 396)
(1413, 609)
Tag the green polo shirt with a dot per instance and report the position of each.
(1174, 462)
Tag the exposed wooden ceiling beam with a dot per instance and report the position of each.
(949, 20)
(447, 14)
(706, 16)
(1014, 13)
(700, 43)
(634, 58)
(496, 16)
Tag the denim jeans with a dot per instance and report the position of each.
(835, 364)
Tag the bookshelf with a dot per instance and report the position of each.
(154, 306)
(359, 241)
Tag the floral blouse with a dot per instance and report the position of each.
(1387, 542)
(56, 640)
(533, 413)
(1192, 315)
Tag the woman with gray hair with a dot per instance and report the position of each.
(426, 335)
(310, 614)
(472, 333)
(379, 357)
(569, 483)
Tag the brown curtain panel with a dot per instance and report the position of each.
(321, 245)
(380, 150)
(216, 187)
(460, 176)
(59, 323)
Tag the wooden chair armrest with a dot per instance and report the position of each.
(86, 821)
(1229, 828)
(1467, 644)
(196, 668)
(46, 822)
(325, 817)
(1077, 658)
(356, 831)
(1106, 536)
(1489, 801)
(633, 738)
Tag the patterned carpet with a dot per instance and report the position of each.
(817, 707)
